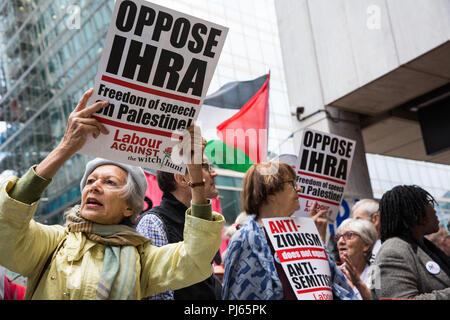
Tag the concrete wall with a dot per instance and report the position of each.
(341, 45)
(333, 47)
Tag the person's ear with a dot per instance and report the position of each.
(366, 250)
(128, 212)
(375, 219)
(181, 180)
(271, 198)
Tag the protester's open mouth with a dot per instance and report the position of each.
(342, 250)
(93, 203)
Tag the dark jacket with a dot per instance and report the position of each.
(172, 214)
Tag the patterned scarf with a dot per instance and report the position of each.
(118, 275)
(250, 272)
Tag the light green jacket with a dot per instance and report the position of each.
(74, 270)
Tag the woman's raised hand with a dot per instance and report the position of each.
(81, 124)
(319, 217)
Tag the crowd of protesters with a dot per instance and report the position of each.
(104, 252)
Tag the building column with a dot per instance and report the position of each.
(306, 88)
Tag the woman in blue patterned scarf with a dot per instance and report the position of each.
(251, 271)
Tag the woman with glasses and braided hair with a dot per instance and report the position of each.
(408, 265)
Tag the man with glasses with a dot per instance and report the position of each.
(368, 209)
(165, 224)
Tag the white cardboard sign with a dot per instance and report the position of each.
(155, 70)
(300, 251)
(323, 168)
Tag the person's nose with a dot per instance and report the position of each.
(212, 172)
(95, 186)
(298, 188)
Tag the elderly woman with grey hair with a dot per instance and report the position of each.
(355, 239)
(98, 255)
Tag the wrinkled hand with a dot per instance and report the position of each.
(197, 143)
(319, 219)
(80, 124)
(350, 271)
(353, 277)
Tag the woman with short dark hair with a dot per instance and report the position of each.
(408, 265)
(261, 189)
(251, 271)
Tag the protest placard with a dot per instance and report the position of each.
(155, 70)
(300, 251)
(323, 169)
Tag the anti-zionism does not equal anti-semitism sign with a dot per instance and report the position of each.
(155, 70)
(299, 250)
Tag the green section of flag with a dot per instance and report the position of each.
(227, 157)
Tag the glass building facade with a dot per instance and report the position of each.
(388, 172)
(46, 64)
(49, 53)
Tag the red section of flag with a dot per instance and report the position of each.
(153, 192)
(252, 121)
(11, 290)
(215, 202)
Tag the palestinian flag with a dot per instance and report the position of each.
(235, 120)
